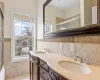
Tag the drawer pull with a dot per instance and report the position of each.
(42, 64)
(42, 72)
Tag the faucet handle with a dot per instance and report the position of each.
(75, 58)
(81, 60)
(88, 61)
(47, 50)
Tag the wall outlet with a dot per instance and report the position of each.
(72, 46)
(61, 46)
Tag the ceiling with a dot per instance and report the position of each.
(64, 4)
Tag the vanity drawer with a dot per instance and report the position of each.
(44, 65)
(44, 74)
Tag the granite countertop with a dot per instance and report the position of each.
(53, 59)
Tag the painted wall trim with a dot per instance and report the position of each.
(7, 39)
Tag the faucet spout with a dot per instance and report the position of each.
(80, 59)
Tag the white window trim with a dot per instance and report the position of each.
(13, 59)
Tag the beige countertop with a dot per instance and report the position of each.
(53, 59)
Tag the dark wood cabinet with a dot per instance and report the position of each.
(39, 70)
(34, 68)
(44, 65)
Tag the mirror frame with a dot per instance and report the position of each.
(88, 30)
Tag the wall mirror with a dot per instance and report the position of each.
(69, 16)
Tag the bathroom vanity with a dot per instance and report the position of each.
(57, 67)
(40, 70)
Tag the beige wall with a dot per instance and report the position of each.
(1, 0)
(21, 6)
(13, 69)
(24, 6)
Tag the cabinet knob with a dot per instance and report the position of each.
(42, 64)
(42, 72)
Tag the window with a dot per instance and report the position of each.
(23, 36)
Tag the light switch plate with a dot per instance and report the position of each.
(72, 46)
(61, 46)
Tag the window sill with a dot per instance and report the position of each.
(17, 59)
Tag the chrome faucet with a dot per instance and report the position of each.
(88, 61)
(47, 50)
(80, 59)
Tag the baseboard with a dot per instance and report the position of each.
(2, 74)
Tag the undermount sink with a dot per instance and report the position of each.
(75, 67)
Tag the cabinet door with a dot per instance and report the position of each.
(35, 73)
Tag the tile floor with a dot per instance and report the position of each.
(23, 77)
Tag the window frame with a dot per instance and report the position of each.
(13, 58)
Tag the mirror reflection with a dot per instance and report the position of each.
(69, 14)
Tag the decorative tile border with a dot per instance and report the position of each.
(64, 39)
(77, 39)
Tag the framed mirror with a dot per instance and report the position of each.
(71, 17)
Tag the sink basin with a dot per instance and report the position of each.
(75, 67)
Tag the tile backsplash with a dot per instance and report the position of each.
(87, 47)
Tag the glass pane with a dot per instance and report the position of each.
(18, 31)
(24, 51)
(24, 24)
(18, 41)
(27, 31)
(17, 51)
(17, 23)
(27, 24)
(30, 48)
(21, 51)
(29, 41)
(24, 41)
